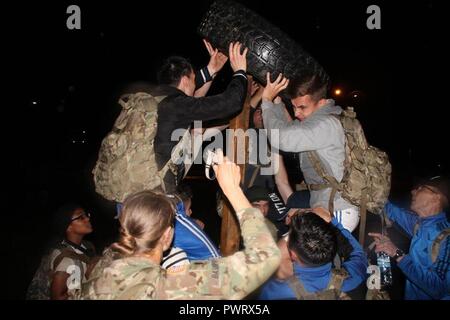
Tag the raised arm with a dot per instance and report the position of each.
(404, 218)
(226, 103)
(281, 179)
(245, 270)
(216, 62)
(356, 264)
(256, 94)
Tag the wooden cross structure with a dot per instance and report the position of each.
(230, 233)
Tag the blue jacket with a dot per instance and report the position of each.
(317, 278)
(191, 238)
(424, 280)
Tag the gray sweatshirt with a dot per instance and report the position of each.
(321, 132)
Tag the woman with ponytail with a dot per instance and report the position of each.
(130, 268)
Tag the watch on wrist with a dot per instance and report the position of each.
(399, 253)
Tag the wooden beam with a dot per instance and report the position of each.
(230, 232)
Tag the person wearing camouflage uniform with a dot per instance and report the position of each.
(69, 262)
(138, 275)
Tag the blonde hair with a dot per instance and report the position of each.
(144, 218)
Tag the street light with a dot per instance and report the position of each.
(338, 92)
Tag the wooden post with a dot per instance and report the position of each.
(230, 232)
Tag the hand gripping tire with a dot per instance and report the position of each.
(270, 50)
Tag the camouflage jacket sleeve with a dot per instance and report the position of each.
(233, 277)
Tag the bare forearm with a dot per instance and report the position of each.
(203, 90)
(211, 132)
(282, 180)
(256, 98)
(237, 199)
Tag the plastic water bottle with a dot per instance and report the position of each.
(384, 263)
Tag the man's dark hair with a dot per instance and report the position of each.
(173, 69)
(313, 240)
(314, 84)
(63, 217)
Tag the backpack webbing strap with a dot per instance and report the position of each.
(159, 98)
(301, 187)
(253, 177)
(377, 294)
(337, 279)
(130, 99)
(363, 216)
(68, 253)
(297, 286)
(435, 247)
(177, 151)
(332, 182)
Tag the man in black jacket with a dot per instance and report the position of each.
(181, 106)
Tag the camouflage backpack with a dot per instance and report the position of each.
(436, 245)
(367, 172)
(126, 161)
(39, 288)
(127, 288)
(331, 292)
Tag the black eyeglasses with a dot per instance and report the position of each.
(81, 216)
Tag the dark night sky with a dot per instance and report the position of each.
(74, 78)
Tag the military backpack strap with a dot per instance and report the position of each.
(302, 186)
(159, 98)
(331, 181)
(297, 286)
(90, 248)
(363, 216)
(377, 294)
(436, 246)
(177, 152)
(130, 100)
(69, 253)
(254, 175)
(124, 101)
(337, 279)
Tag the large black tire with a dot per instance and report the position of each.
(270, 50)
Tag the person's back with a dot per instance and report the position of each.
(313, 245)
